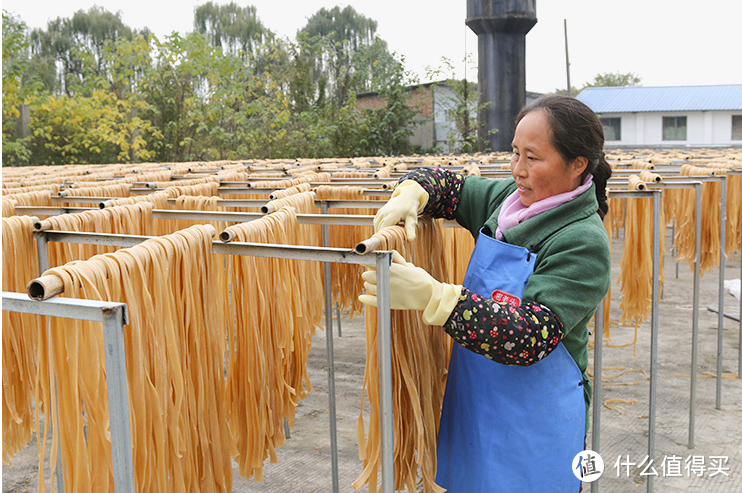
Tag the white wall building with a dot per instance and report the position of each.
(637, 116)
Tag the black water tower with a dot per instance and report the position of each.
(501, 27)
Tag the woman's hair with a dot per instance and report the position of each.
(576, 132)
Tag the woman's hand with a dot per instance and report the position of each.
(407, 201)
(412, 288)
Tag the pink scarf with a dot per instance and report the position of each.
(513, 212)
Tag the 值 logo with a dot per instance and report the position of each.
(587, 466)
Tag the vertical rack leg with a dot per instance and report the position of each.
(337, 316)
(42, 251)
(722, 265)
(597, 384)
(118, 400)
(654, 329)
(327, 273)
(696, 302)
(384, 324)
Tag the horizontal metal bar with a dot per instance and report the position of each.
(296, 252)
(80, 200)
(49, 211)
(695, 178)
(670, 185)
(107, 239)
(331, 219)
(636, 194)
(336, 219)
(730, 316)
(231, 202)
(95, 311)
(354, 204)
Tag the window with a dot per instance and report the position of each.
(674, 128)
(611, 128)
(736, 127)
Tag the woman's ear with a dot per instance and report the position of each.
(579, 165)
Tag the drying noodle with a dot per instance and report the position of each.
(273, 316)
(420, 356)
(180, 437)
(19, 362)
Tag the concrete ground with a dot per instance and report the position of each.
(713, 465)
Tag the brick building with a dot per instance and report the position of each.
(433, 101)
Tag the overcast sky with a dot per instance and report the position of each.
(665, 42)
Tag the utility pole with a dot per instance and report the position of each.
(566, 53)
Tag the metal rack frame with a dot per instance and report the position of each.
(381, 260)
(326, 219)
(113, 317)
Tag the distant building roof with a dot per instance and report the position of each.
(632, 99)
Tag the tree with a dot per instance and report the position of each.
(236, 30)
(99, 128)
(336, 40)
(461, 109)
(609, 79)
(387, 130)
(72, 52)
(15, 63)
(102, 92)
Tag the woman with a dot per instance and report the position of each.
(515, 410)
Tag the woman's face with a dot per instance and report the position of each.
(537, 167)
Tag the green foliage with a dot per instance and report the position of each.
(77, 50)
(99, 128)
(609, 79)
(236, 30)
(15, 63)
(339, 45)
(461, 107)
(100, 92)
(387, 130)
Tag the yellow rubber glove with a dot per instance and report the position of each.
(412, 288)
(407, 201)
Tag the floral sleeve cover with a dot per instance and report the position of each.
(444, 188)
(501, 332)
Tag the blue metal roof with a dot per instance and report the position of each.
(631, 99)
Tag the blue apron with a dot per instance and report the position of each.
(509, 428)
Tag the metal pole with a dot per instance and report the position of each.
(384, 329)
(42, 251)
(656, 196)
(327, 275)
(118, 399)
(597, 384)
(113, 316)
(337, 313)
(566, 55)
(722, 265)
(696, 302)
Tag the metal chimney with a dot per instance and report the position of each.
(501, 27)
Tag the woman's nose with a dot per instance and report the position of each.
(517, 166)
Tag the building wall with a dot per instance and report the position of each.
(704, 128)
(433, 101)
(422, 100)
(444, 100)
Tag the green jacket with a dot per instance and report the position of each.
(573, 265)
